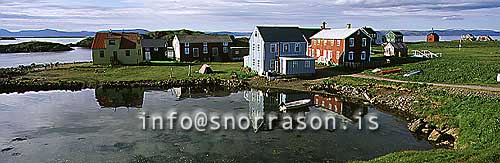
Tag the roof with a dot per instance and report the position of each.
(309, 32)
(398, 45)
(128, 40)
(153, 43)
(281, 34)
(369, 30)
(201, 38)
(335, 33)
(435, 34)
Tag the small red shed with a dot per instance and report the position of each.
(432, 37)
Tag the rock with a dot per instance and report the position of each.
(16, 154)
(426, 131)
(416, 125)
(7, 149)
(434, 136)
(19, 139)
(445, 143)
(453, 132)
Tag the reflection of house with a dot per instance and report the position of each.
(154, 49)
(468, 37)
(186, 92)
(279, 50)
(335, 104)
(200, 47)
(122, 97)
(397, 49)
(484, 38)
(116, 48)
(337, 46)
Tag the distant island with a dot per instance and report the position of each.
(34, 46)
(85, 43)
(7, 38)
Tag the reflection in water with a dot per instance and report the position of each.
(123, 97)
(187, 92)
(337, 105)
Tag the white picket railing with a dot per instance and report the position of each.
(426, 54)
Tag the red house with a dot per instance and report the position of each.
(338, 46)
(433, 37)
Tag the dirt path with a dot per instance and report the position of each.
(475, 87)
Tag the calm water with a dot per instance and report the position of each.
(102, 125)
(16, 59)
(56, 40)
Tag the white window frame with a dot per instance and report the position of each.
(295, 64)
(364, 42)
(286, 48)
(273, 48)
(307, 64)
(186, 51)
(186, 44)
(330, 55)
(337, 54)
(225, 44)
(205, 50)
(156, 49)
(272, 64)
(297, 47)
(205, 44)
(351, 56)
(225, 49)
(338, 42)
(318, 52)
(363, 55)
(351, 42)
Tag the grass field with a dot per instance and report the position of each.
(476, 63)
(159, 71)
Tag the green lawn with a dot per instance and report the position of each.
(159, 71)
(476, 63)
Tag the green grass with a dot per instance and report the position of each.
(161, 71)
(476, 117)
(476, 63)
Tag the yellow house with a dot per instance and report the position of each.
(117, 48)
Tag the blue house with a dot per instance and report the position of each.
(280, 50)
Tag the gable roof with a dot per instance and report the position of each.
(281, 34)
(369, 30)
(336, 33)
(435, 34)
(152, 43)
(309, 32)
(398, 45)
(201, 38)
(127, 40)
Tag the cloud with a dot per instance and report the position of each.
(453, 17)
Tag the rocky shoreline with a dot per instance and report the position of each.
(8, 86)
(441, 136)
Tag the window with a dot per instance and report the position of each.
(101, 54)
(297, 47)
(312, 53)
(273, 48)
(295, 64)
(156, 49)
(205, 50)
(225, 44)
(205, 44)
(225, 49)
(147, 49)
(186, 44)
(112, 42)
(237, 52)
(324, 53)
(307, 64)
(127, 53)
(351, 56)
(186, 51)
(196, 52)
(324, 42)
(338, 42)
(332, 42)
(364, 42)
(215, 51)
(337, 54)
(351, 42)
(318, 52)
(330, 55)
(314, 42)
(285, 48)
(363, 55)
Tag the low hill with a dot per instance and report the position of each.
(34, 46)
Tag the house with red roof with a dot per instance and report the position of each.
(117, 48)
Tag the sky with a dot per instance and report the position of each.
(243, 15)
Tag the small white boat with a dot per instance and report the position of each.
(293, 105)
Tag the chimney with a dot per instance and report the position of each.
(349, 26)
(324, 25)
